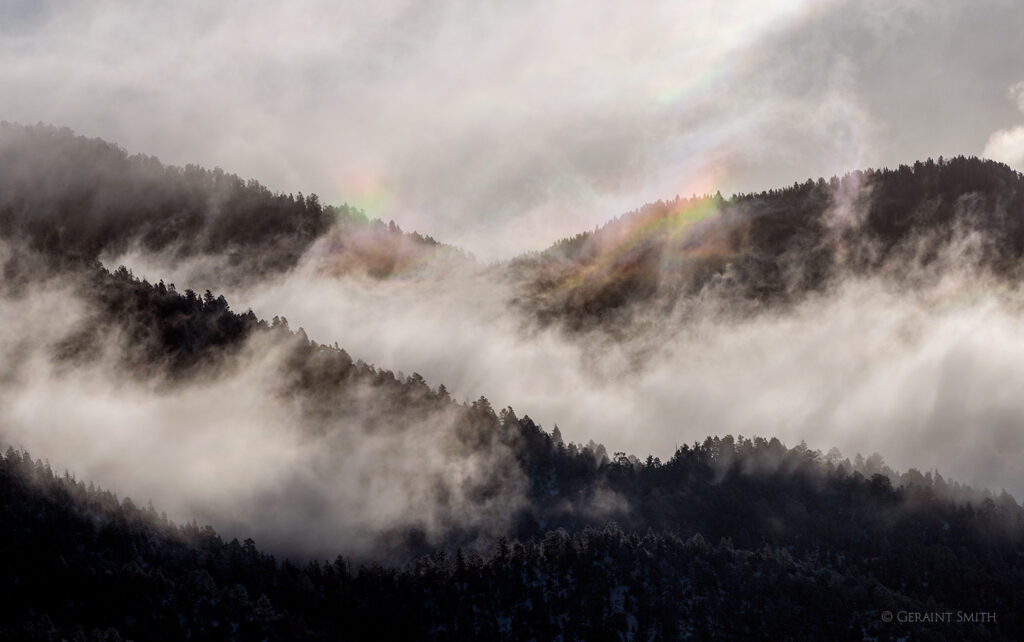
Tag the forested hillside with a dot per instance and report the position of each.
(771, 248)
(68, 195)
(72, 196)
(448, 519)
(79, 563)
(733, 536)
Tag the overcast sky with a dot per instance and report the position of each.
(501, 126)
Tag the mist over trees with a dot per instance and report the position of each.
(455, 519)
(81, 561)
(68, 195)
(71, 196)
(774, 247)
(809, 525)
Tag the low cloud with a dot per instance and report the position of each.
(1007, 145)
(228, 448)
(921, 368)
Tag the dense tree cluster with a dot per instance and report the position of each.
(775, 246)
(78, 563)
(68, 195)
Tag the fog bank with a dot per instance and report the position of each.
(924, 371)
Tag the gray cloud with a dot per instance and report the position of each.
(502, 126)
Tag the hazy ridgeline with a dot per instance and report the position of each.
(877, 312)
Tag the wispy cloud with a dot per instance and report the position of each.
(502, 126)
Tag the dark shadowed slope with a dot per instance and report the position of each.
(78, 562)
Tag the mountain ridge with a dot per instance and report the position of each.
(486, 524)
